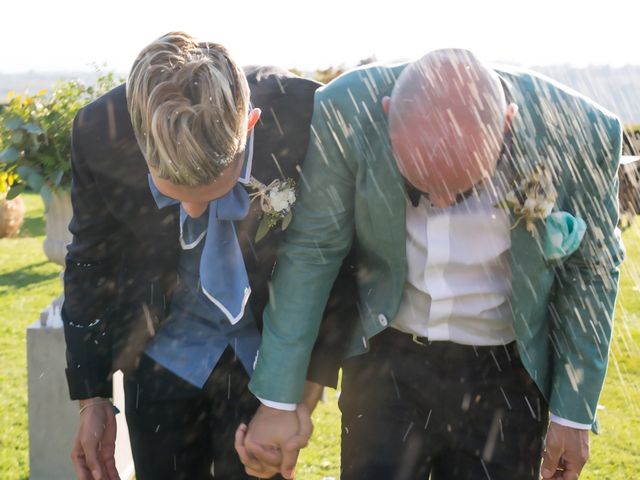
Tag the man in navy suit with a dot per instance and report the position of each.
(164, 278)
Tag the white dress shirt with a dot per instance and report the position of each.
(459, 278)
(459, 275)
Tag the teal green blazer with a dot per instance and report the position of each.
(351, 191)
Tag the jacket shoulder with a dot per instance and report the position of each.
(109, 110)
(359, 91)
(537, 86)
(273, 82)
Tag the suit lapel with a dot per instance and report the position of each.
(527, 262)
(385, 190)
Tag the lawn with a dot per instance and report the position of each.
(28, 283)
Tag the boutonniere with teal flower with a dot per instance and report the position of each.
(276, 201)
(533, 198)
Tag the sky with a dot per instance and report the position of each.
(74, 35)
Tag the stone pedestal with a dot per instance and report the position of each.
(58, 215)
(53, 418)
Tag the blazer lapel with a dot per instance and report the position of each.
(386, 193)
(528, 266)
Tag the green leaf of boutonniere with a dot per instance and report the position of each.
(287, 220)
(263, 228)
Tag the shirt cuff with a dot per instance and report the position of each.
(568, 423)
(289, 407)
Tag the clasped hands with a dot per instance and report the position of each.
(270, 444)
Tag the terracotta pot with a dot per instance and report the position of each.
(11, 216)
(58, 216)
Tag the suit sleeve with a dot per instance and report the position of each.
(89, 279)
(316, 243)
(586, 286)
(338, 322)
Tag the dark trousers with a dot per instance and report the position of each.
(451, 411)
(178, 431)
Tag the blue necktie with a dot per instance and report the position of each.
(223, 275)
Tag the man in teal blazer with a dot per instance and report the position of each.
(548, 167)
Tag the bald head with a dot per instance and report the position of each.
(447, 117)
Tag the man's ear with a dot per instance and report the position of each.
(254, 116)
(386, 103)
(512, 111)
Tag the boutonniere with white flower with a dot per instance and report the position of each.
(533, 198)
(276, 201)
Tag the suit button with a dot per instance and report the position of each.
(382, 318)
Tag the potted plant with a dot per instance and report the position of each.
(35, 145)
(11, 209)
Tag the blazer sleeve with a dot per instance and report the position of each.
(586, 287)
(317, 241)
(338, 323)
(90, 276)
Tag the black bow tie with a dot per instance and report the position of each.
(414, 194)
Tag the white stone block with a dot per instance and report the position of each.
(53, 418)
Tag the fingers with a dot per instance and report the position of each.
(298, 441)
(550, 461)
(246, 460)
(567, 451)
(570, 475)
(251, 464)
(108, 450)
(79, 463)
(268, 457)
(305, 429)
(107, 454)
(92, 458)
(572, 467)
(289, 459)
(95, 443)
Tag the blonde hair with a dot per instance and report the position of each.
(188, 103)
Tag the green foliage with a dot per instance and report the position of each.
(35, 136)
(327, 74)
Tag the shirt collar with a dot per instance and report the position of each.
(245, 173)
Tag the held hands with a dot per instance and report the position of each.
(566, 452)
(93, 452)
(272, 441)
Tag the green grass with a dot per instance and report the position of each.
(28, 283)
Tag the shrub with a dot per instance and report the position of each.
(35, 136)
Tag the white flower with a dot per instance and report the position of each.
(539, 198)
(279, 200)
(276, 201)
(511, 198)
(530, 205)
(545, 208)
(291, 196)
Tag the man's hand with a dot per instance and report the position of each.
(312, 394)
(566, 452)
(273, 440)
(93, 452)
